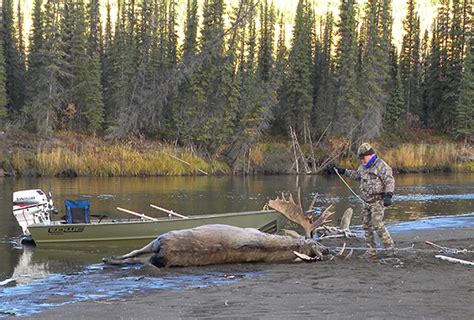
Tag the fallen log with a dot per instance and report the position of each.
(222, 244)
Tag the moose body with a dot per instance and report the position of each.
(220, 244)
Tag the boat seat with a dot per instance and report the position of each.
(77, 211)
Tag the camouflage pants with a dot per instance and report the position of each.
(373, 222)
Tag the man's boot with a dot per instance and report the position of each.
(389, 252)
(371, 253)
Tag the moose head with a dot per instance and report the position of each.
(294, 212)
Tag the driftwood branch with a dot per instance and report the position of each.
(455, 260)
(185, 162)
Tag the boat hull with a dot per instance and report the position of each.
(267, 221)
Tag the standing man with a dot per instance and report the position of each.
(376, 186)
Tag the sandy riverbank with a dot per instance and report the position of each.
(421, 288)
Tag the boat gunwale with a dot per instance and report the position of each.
(159, 220)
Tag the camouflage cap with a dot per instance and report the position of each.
(365, 149)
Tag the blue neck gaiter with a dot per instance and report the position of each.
(371, 162)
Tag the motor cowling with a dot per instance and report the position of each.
(32, 207)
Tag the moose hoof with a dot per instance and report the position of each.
(111, 260)
(305, 257)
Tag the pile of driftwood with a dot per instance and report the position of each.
(222, 244)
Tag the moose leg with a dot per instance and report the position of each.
(115, 261)
(135, 253)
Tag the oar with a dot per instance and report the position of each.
(141, 215)
(169, 211)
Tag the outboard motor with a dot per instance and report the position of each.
(32, 207)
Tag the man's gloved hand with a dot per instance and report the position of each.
(387, 199)
(339, 169)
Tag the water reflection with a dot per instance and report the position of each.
(96, 282)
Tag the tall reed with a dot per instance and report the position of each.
(121, 160)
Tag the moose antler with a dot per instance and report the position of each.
(294, 212)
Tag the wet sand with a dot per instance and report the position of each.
(421, 288)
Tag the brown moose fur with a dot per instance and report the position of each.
(220, 244)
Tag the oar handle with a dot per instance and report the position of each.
(169, 211)
(141, 215)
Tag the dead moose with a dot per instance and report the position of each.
(223, 244)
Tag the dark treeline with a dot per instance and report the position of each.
(226, 84)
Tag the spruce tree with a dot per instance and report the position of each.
(325, 86)
(453, 68)
(374, 77)
(172, 50)
(35, 42)
(425, 65)
(21, 39)
(75, 18)
(317, 65)
(46, 90)
(300, 67)
(119, 73)
(14, 69)
(442, 112)
(266, 40)
(182, 113)
(464, 108)
(410, 60)
(190, 31)
(432, 79)
(106, 64)
(396, 104)
(136, 114)
(3, 78)
(347, 111)
(252, 89)
(281, 73)
(93, 102)
(213, 118)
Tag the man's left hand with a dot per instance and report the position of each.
(387, 199)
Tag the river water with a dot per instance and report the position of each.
(418, 196)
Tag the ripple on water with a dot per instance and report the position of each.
(97, 282)
(434, 197)
(432, 223)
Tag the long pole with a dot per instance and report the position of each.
(350, 189)
(185, 162)
(141, 215)
(169, 211)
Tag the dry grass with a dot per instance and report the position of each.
(117, 160)
(424, 157)
(73, 154)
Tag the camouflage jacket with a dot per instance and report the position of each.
(374, 181)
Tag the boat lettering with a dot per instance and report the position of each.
(68, 229)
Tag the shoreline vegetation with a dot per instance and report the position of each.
(70, 154)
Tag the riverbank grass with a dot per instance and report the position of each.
(117, 160)
(426, 158)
